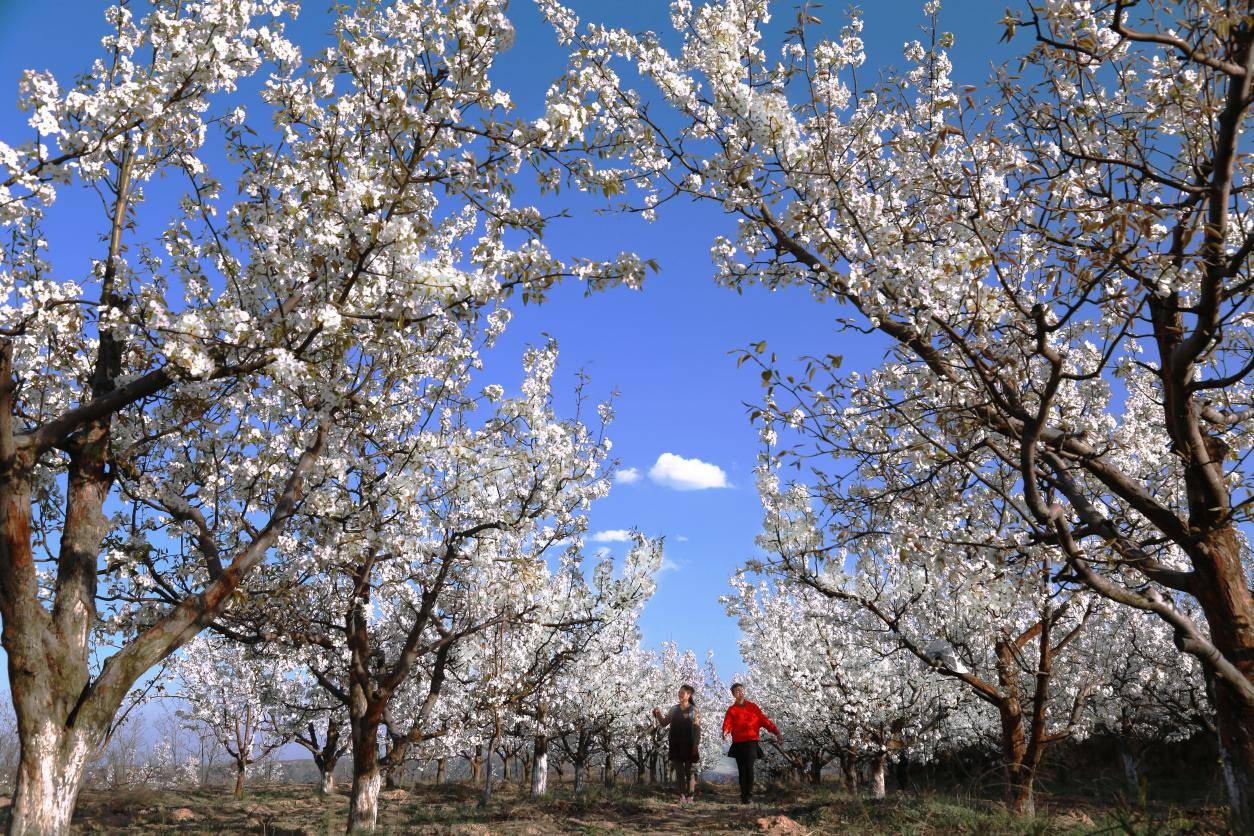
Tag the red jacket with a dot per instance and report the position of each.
(744, 721)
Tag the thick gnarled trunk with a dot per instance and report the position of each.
(49, 775)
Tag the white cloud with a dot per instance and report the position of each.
(628, 475)
(614, 535)
(681, 538)
(682, 474)
(668, 565)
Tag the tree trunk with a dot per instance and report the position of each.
(1236, 750)
(476, 764)
(506, 761)
(240, 769)
(848, 769)
(1022, 795)
(903, 773)
(1226, 601)
(816, 771)
(1131, 772)
(879, 766)
(608, 776)
(486, 797)
(1020, 775)
(579, 769)
(439, 771)
(49, 776)
(326, 782)
(363, 804)
(540, 767)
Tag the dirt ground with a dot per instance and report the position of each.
(453, 809)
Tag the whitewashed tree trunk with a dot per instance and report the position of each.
(1131, 772)
(363, 809)
(540, 767)
(326, 782)
(879, 768)
(49, 775)
(579, 770)
(485, 797)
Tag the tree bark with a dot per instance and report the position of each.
(363, 805)
(240, 770)
(848, 769)
(579, 765)
(485, 797)
(439, 771)
(1131, 771)
(1226, 601)
(540, 767)
(49, 776)
(1022, 792)
(879, 768)
(326, 781)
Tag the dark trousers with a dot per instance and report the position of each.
(745, 754)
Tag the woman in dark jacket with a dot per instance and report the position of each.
(685, 734)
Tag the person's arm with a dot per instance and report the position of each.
(766, 722)
(662, 720)
(727, 722)
(696, 716)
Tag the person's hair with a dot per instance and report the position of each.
(692, 694)
(736, 685)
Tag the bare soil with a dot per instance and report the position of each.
(454, 809)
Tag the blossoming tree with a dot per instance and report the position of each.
(843, 691)
(163, 416)
(1077, 236)
(235, 693)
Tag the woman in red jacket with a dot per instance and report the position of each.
(743, 721)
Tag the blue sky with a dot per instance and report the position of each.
(664, 349)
